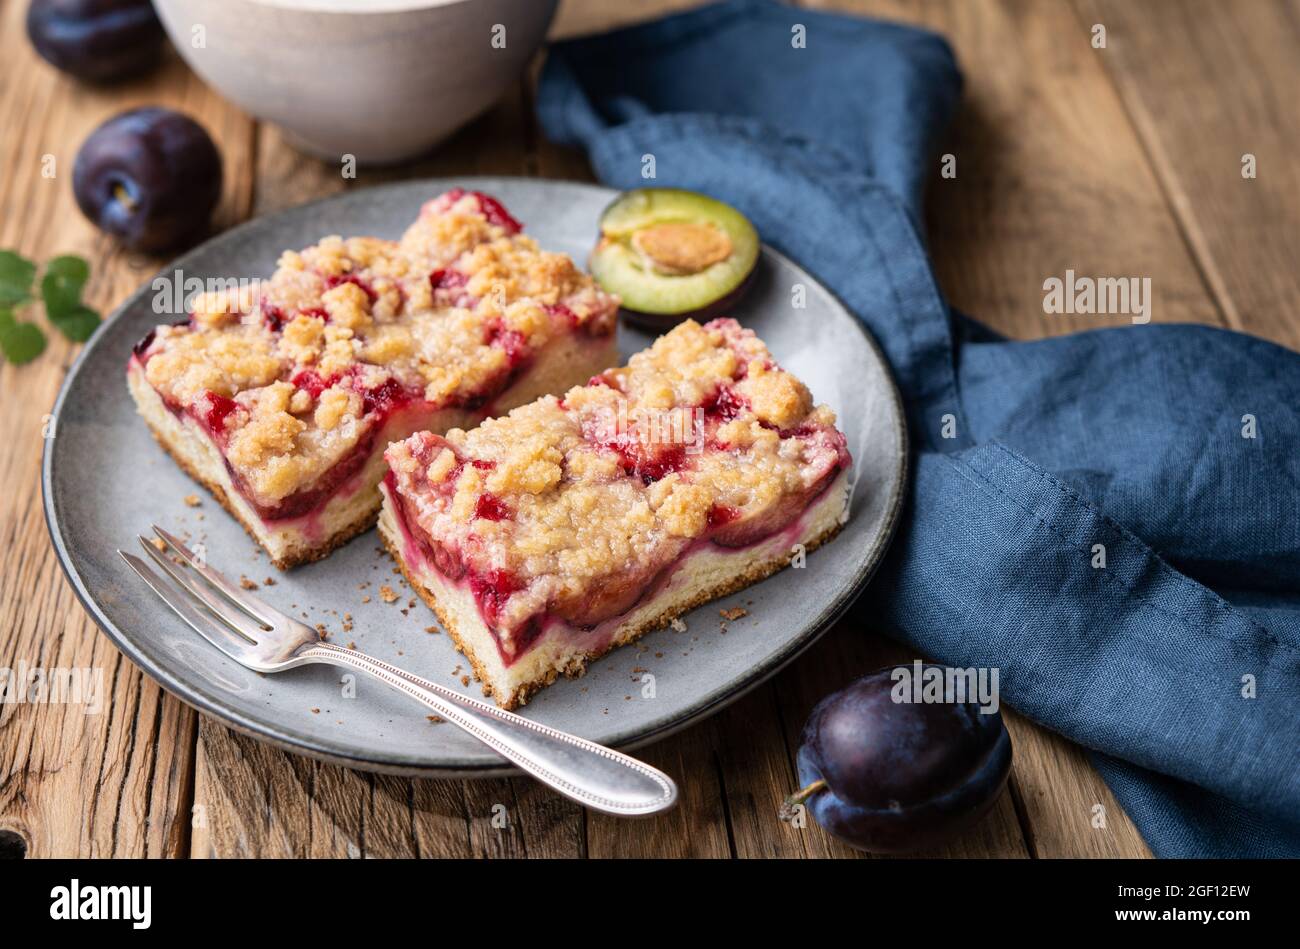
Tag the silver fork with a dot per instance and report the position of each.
(256, 635)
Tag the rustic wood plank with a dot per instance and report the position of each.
(581, 17)
(1050, 175)
(1206, 84)
(1068, 809)
(117, 782)
(756, 765)
(255, 800)
(697, 827)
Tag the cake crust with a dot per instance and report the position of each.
(297, 556)
(577, 667)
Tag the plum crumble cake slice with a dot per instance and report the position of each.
(281, 396)
(547, 537)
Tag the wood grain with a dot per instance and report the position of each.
(1050, 175)
(1232, 69)
(583, 17)
(75, 781)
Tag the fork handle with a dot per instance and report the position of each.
(593, 775)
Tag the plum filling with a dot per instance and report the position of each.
(648, 460)
(722, 514)
(491, 508)
(444, 278)
(380, 403)
(726, 404)
(571, 321)
(518, 358)
(414, 534)
(730, 527)
(491, 591)
(488, 206)
(386, 398)
(140, 349)
(219, 409)
(496, 213)
(512, 342)
(304, 502)
(273, 317)
(335, 280)
(564, 313)
(311, 381)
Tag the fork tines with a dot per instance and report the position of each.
(231, 619)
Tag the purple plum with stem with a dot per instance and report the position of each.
(889, 776)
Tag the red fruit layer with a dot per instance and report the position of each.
(492, 590)
(381, 403)
(513, 342)
(488, 206)
(335, 280)
(273, 317)
(491, 508)
(219, 409)
(304, 502)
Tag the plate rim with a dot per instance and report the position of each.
(322, 750)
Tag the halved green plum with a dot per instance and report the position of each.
(674, 254)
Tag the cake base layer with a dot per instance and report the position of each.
(352, 509)
(706, 572)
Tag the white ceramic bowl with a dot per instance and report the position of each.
(384, 80)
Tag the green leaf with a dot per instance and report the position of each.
(78, 323)
(70, 267)
(16, 276)
(62, 284)
(19, 342)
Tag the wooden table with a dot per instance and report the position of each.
(1117, 161)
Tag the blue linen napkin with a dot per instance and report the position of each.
(1128, 437)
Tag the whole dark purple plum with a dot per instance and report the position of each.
(889, 776)
(150, 177)
(96, 40)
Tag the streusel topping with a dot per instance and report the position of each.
(579, 503)
(292, 373)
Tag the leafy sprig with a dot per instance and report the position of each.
(60, 289)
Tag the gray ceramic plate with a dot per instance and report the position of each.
(105, 480)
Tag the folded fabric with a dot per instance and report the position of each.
(1174, 448)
